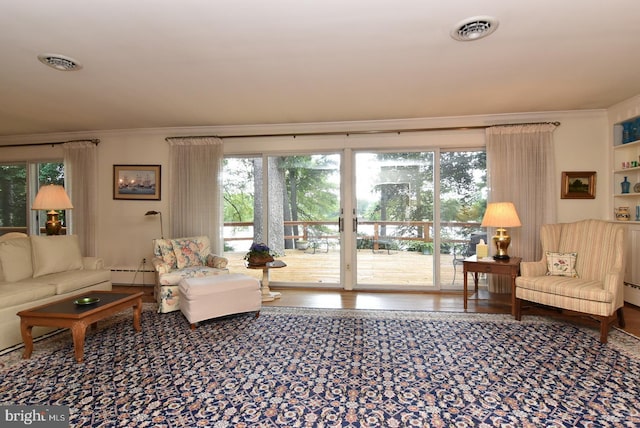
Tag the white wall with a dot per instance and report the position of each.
(581, 142)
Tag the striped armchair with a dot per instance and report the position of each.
(594, 286)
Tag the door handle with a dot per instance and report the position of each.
(355, 224)
(340, 224)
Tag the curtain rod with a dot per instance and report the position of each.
(95, 141)
(371, 132)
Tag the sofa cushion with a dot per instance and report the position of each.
(65, 282)
(17, 293)
(53, 254)
(15, 256)
(563, 286)
(191, 251)
(175, 276)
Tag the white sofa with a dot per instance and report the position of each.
(35, 270)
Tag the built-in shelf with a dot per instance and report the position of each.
(626, 165)
(625, 155)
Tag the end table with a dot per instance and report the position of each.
(267, 294)
(489, 265)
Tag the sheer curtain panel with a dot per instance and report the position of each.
(521, 169)
(195, 203)
(81, 184)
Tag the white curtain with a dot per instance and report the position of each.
(81, 184)
(521, 169)
(195, 174)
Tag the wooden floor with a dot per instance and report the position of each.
(414, 301)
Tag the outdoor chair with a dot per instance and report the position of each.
(461, 252)
(317, 242)
(383, 244)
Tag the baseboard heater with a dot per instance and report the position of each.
(632, 293)
(132, 276)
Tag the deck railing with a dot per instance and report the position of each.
(377, 232)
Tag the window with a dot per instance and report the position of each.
(19, 183)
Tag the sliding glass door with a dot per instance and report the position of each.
(408, 220)
(394, 207)
(463, 199)
(291, 203)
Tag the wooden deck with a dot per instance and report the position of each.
(394, 269)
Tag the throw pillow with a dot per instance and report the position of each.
(188, 252)
(561, 264)
(15, 256)
(164, 249)
(53, 254)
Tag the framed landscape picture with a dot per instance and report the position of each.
(136, 182)
(578, 185)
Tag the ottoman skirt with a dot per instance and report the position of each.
(219, 295)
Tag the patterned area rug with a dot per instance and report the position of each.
(296, 367)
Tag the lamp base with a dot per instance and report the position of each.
(501, 240)
(53, 225)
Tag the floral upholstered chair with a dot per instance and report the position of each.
(581, 270)
(176, 259)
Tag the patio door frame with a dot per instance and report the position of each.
(351, 220)
(346, 145)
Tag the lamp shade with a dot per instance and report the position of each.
(51, 197)
(501, 214)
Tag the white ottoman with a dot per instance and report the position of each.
(215, 296)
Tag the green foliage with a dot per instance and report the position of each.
(51, 173)
(13, 189)
(420, 246)
(312, 195)
(238, 190)
(13, 195)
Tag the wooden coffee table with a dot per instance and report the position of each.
(67, 314)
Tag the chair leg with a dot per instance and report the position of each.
(604, 329)
(518, 309)
(620, 314)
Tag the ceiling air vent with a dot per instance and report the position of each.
(474, 28)
(60, 62)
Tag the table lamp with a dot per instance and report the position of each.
(501, 215)
(52, 197)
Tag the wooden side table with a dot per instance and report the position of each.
(267, 294)
(509, 267)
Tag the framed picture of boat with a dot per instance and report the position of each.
(136, 182)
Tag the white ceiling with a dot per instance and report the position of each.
(176, 63)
